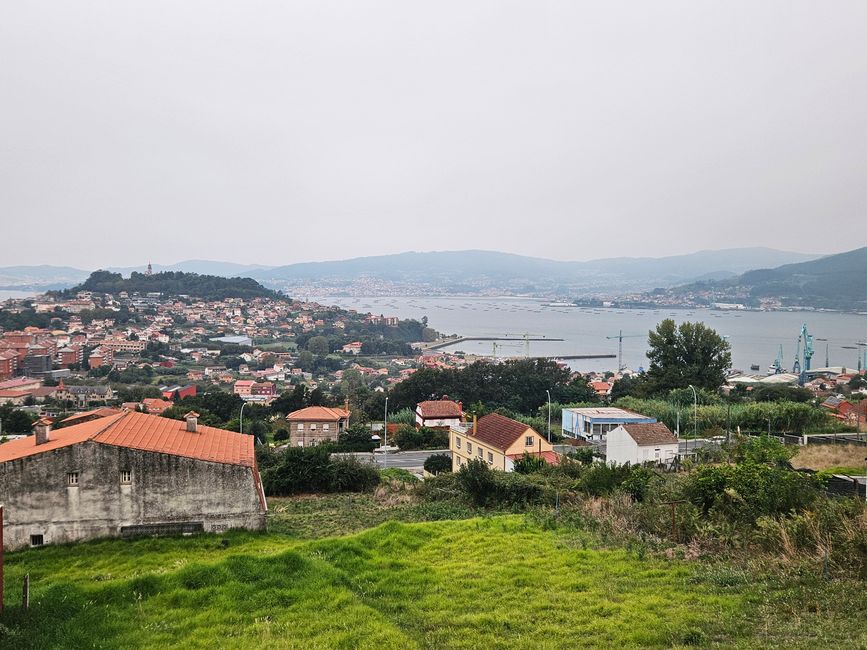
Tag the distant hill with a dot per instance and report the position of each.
(42, 277)
(833, 282)
(474, 270)
(469, 271)
(174, 283)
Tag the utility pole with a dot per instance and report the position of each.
(241, 424)
(385, 434)
(695, 412)
(549, 414)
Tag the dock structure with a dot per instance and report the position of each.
(438, 345)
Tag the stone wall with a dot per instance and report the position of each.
(163, 489)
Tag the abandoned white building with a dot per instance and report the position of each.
(127, 474)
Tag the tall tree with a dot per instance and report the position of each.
(684, 355)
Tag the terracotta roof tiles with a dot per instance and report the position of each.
(655, 433)
(440, 408)
(147, 433)
(498, 431)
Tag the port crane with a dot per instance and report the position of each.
(526, 336)
(620, 336)
(777, 367)
(807, 339)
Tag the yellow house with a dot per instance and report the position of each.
(498, 441)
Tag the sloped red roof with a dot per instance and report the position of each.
(317, 414)
(550, 457)
(440, 408)
(498, 431)
(103, 412)
(147, 433)
(655, 433)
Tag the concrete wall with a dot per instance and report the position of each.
(163, 489)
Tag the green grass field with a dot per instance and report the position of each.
(491, 582)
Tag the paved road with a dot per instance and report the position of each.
(402, 459)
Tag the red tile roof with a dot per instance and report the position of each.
(550, 457)
(317, 414)
(655, 433)
(147, 433)
(440, 408)
(103, 412)
(498, 431)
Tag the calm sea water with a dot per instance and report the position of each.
(755, 337)
(5, 294)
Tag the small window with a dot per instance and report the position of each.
(490, 458)
(528, 441)
(469, 447)
(458, 443)
(481, 453)
(72, 479)
(313, 427)
(300, 426)
(325, 427)
(37, 540)
(125, 476)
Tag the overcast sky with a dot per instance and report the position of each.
(281, 131)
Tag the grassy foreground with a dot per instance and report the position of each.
(480, 583)
(509, 581)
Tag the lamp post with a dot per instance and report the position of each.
(694, 417)
(549, 414)
(385, 433)
(865, 481)
(241, 425)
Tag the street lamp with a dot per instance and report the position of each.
(241, 425)
(385, 434)
(694, 417)
(549, 415)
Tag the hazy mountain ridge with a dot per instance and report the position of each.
(456, 271)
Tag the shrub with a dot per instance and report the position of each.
(528, 464)
(313, 469)
(745, 492)
(438, 464)
(281, 434)
(584, 455)
(600, 478)
(477, 481)
(761, 450)
(357, 439)
(408, 438)
(637, 483)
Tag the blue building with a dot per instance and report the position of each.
(592, 424)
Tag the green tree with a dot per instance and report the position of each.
(684, 355)
(438, 464)
(318, 345)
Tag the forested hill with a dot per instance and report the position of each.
(174, 283)
(832, 282)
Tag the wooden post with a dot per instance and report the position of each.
(25, 593)
(674, 532)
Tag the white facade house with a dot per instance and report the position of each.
(439, 414)
(637, 444)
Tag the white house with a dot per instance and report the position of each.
(439, 414)
(641, 443)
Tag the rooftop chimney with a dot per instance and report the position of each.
(192, 419)
(42, 429)
(475, 424)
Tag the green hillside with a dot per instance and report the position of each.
(832, 282)
(174, 283)
(500, 582)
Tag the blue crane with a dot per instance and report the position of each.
(807, 339)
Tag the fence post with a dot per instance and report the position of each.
(25, 594)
